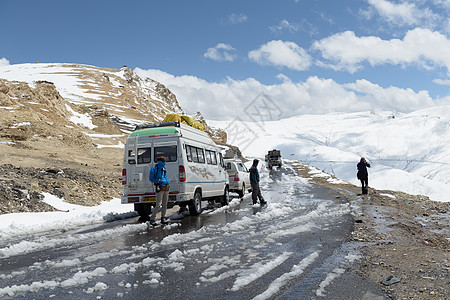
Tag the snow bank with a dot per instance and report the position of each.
(70, 216)
(407, 152)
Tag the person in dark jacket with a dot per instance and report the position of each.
(254, 181)
(158, 175)
(363, 175)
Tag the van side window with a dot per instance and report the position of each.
(169, 152)
(131, 157)
(195, 154)
(211, 157)
(188, 153)
(221, 160)
(208, 157)
(201, 156)
(144, 155)
(228, 166)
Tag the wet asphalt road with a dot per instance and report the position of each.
(292, 249)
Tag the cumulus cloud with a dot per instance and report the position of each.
(281, 54)
(403, 14)
(237, 18)
(420, 46)
(4, 62)
(391, 98)
(227, 100)
(221, 52)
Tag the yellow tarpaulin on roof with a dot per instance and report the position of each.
(192, 122)
(172, 117)
(184, 119)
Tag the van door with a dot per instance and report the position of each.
(197, 173)
(168, 149)
(222, 176)
(143, 164)
(214, 171)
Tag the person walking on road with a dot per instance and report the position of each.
(363, 175)
(254, 181)
(158, 175)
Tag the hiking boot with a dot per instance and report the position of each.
(164, 221)
(262, 202)
(153, 223)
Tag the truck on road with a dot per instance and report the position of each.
(273, 158)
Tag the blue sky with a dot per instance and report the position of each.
(380, 54)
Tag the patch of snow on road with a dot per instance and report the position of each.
(330, 277)
(258, 270)
(42, 243)
(284, 279)
(72, 216)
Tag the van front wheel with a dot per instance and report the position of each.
(226, 197)
(195, 206)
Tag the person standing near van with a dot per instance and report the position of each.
(254, 181)
(158, 175)
(363, 175)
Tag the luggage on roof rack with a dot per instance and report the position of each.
(159, 124)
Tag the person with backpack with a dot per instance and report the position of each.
(158, 175)
(363, 175)
(254, 181)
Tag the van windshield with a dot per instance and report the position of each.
(169, 152)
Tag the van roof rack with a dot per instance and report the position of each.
(159, 124)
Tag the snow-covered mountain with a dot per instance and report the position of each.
(408, 152)
(122, 92)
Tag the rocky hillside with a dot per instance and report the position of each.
(124, 94)
(63, 128)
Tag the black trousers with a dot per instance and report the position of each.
(256, 193)
(365, 182)
(364, 185)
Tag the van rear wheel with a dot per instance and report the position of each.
(143, 209)
(242, 192)
(195, 206)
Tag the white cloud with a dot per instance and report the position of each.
(444, 3)
(281, 54)
(303, 26)
(285, 25)
(237, 18)
(4, 62)
(221, 52)
(442, 81)
(391, 98)
(404, 13)
(419, 47)
(227, 100)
